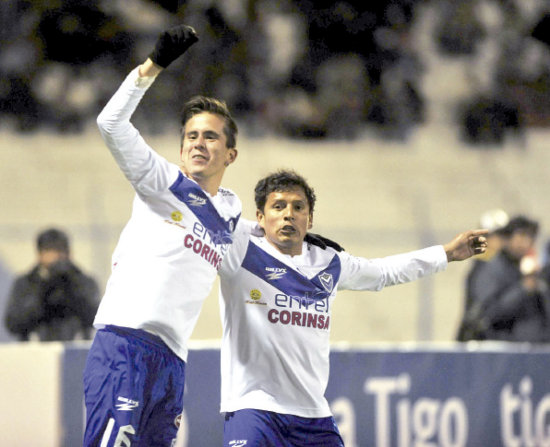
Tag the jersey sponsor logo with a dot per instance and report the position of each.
(195, 200)
(238, 443)
(326, 281)
(300, 311)
(275, 273)
(176, 216)
(126, 404)
(256, 296)
(221, 237)
(204, 250)
(295, 318)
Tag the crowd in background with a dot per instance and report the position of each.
(302, 69)
(294, 68)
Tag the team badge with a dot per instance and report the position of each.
(326, 281)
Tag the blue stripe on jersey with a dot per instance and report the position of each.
(196, 200)
(288, 280)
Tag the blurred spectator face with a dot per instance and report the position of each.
(520, 243)
(48, 257)
(493, 220)
(494, 242)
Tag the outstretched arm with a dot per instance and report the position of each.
(465, 245)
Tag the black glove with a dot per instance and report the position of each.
(323, 242)
(172, 43)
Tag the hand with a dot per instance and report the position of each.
(466, 245)
(323, 242)
(530, 283)
(172, 43)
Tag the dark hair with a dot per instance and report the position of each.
(53, 239)
(203, 104)
(282, 181)
(520, 223)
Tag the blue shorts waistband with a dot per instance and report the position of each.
(141, 334)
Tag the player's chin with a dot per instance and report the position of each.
(291, 238)
(198, 171)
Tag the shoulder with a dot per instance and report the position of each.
(229, 199)
(227, 194)
(322, 258)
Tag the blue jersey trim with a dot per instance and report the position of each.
(197, 201)
(288, 280)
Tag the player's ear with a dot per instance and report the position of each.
(261, 219)
(310, 221)
(230, 157)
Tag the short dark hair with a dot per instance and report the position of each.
(53, 239)
(282, 180)
(203, 104)
(520, 223)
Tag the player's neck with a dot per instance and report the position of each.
(290, 250)
(209, 184)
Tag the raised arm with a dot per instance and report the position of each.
(140, 164)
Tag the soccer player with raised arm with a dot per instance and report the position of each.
(277, 293)
(164, 264)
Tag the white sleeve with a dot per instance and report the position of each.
(237, 250)
(375, 274)
(143, 167)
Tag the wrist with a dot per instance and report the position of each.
(149, 69)
(448, 253)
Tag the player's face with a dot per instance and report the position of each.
(204, 154)
(285, 220)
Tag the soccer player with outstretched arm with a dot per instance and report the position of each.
(277, 293)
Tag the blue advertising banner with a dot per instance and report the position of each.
(441, 398)
(495, 395)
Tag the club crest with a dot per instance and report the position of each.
(326, 281)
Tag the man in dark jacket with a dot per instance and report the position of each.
(515, 300)
(494, 220)
(55, 301)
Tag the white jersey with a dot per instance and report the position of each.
(170, 250)
(276, 314)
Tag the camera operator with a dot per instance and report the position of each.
(55, 301)
(515, 299)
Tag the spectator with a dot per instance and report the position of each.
(515, 300)
(55, 301)
(493, 220)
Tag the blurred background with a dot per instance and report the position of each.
(409, 117)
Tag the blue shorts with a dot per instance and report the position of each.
(259, 428)
(133, 390)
